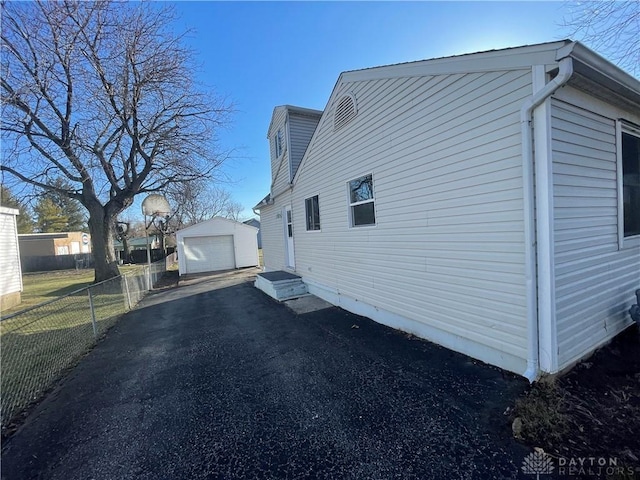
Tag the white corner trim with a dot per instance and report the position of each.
(287, 142)
(620, 184)
(565, 70)
(543, 165)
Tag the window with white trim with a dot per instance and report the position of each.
(277, 140)
(361, 201)
(630, 159)
(312, 213)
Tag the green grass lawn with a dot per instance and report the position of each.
(40, 343)
(41, 287)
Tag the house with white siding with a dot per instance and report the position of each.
(10, 270)
(488, 202)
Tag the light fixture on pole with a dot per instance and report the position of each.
(155, 205)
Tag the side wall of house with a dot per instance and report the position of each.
(594, 278)
(301, 128)
(445, 259)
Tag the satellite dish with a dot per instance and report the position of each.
(155, 205)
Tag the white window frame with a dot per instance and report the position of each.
(277, 142)
(622, 126)
(306, 214)
(355, 204)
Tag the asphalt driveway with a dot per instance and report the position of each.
(216, 380)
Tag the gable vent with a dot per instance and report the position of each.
(345, 111)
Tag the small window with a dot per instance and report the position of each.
(362, 201)
(277, 140)
(289, 224)
(312, 212)
(631, 183)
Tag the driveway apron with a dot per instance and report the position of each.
(216, 380)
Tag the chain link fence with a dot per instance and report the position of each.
(39, 343)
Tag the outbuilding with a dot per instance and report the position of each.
(10, 271)
(217, 244)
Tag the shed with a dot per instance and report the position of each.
(10, 271)
(255, 223)
(217, 244)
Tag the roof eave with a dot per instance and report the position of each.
(588, 63)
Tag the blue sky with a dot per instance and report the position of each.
(264, 54)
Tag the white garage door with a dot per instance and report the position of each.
(208, 254)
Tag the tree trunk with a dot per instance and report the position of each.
(125, 249)
(102, 228)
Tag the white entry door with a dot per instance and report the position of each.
(289, 254)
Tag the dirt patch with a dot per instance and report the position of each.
(168, 280)
(592, 411)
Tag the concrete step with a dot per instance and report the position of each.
(281, 285)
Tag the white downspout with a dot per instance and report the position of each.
(565, 70)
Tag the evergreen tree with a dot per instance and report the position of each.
(50, 217)
(70, 208)
(24, 220)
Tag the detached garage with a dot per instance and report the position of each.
(217, 244)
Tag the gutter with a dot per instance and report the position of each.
(564, 73)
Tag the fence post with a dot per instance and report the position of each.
(148, 271)
(93, 314)
(126, 288)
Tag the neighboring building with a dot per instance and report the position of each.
(48, 244)
(10, 271)
(216, 244)
(138, 243)
(488, 202)
(255, 223)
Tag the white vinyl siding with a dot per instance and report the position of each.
(10, 274)
(301, 128)
(595, 280)
(448, 248)
(272, 230)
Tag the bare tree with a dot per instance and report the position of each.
(197, 201)
(608, 26)
(102, 94)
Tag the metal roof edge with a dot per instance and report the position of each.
(506, 58)
(599, 69)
